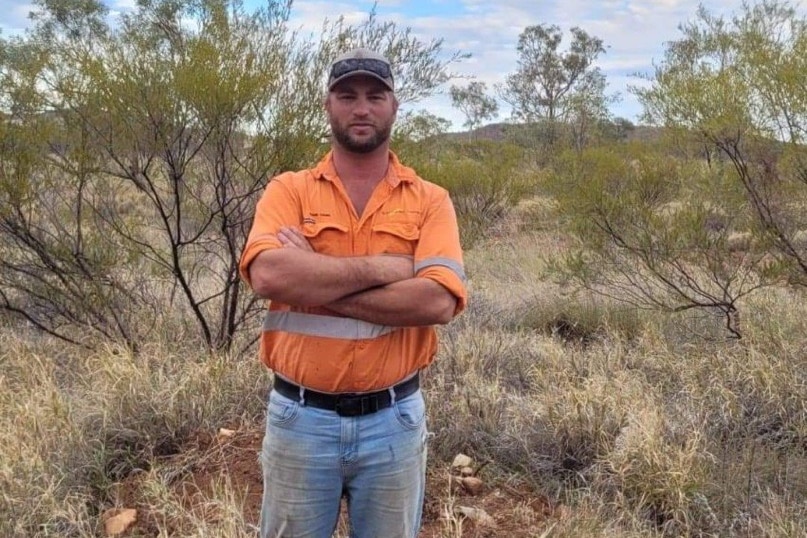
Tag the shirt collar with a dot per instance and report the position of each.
(396, 172)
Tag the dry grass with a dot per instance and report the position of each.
(78, 424)
(656, 422)
(632, 421)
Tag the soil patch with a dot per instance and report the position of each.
(196, 474)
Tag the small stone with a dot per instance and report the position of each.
(117, 521)
(477, 515)
(461, 460)
(472, 485)
(224, 432)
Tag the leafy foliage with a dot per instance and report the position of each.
(556, 86)
(485, 180)
(658, 233)
(737, 87)
(133, 152)
(474, 103)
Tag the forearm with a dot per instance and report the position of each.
(407, 303)
(306, 278)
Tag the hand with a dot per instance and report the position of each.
(291, 237)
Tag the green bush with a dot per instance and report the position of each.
(486, 179)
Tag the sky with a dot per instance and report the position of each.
(634, 33)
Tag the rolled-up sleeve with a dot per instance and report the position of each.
(438, 255)
(278, 207)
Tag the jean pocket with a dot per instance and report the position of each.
(411, 411)
(281, 410)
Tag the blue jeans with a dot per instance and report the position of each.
(312, 457)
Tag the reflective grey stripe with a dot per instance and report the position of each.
(325, 326)
(444, 262)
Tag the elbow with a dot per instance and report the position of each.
(263, 287)
(444, 310)
(264, 282)
(279, 289)
(267, 279)
(261, 279)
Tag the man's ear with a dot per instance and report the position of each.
(394, 105)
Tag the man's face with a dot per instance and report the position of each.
(361, 111)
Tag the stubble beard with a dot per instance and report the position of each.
(367, 145)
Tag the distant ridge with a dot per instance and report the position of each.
(498, 132)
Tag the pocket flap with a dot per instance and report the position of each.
(404, 230)
(313, 230)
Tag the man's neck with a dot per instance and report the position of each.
(361, 167)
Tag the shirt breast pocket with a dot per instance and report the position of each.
(330, 238)
(395, 238)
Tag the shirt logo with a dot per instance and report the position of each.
(400, 211)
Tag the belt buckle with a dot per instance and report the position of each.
(354, 406)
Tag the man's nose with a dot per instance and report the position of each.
(362, 107)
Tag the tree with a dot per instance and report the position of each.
(682, 232)
(416, 138)
(549, 83)
(132, 153)
(419, 126)
(736, 87)
(474, 103)
(657, 232)
(588, 110)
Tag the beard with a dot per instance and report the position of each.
(363, 145)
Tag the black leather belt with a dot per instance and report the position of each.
(348, 404)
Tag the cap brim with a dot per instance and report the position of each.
(346, 76)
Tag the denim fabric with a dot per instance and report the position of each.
(312, 457)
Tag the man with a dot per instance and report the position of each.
(360, 258)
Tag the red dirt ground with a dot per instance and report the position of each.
(209, 459)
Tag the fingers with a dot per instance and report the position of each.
(291, 237)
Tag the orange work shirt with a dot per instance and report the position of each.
(405, 215)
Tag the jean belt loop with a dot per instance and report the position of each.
(391, 395)
(302, 395)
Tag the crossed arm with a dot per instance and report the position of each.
(380, 289)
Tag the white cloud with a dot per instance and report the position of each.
(309, 15)
(634, 31)
(122, 5)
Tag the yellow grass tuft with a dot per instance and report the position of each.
(632, 423)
